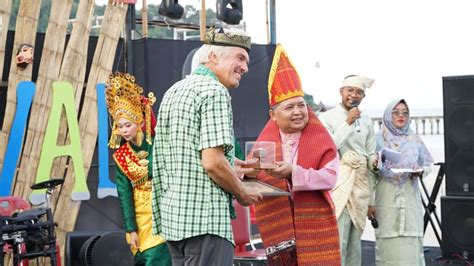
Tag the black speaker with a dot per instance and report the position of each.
(229, 11)
(97, 249)
(458, 99)
(171, 9)
(458, 227)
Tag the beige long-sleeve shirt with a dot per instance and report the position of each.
(348, 140)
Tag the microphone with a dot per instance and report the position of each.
(374, 222)
(356, 122)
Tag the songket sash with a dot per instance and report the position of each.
(301, 229)
(352, 189)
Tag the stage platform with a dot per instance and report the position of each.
(432, 254)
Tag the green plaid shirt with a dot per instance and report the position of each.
(195, 114)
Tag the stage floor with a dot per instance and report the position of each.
(432, 255)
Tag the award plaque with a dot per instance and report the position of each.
(263, 151)
(264, 188)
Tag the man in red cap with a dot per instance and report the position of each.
(300, 229)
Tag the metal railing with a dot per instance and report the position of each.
(423, 125)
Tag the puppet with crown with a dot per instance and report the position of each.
(133, 121)
(300, 229)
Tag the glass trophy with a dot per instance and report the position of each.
(263, 151)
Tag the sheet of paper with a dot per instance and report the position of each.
(405, 170)
(388, 155)
(391, 155)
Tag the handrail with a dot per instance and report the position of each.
(435, 123)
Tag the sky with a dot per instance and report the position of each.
(406, 46)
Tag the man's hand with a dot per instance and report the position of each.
(354, 114)
(371, 212)
(249, 197)
(241, 171)
(223, 174)
(283, 170)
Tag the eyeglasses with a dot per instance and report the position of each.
(356, 92)
(399, 113)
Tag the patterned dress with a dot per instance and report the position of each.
(399, 238)
(134, 190)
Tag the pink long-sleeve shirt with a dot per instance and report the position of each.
(307, 179)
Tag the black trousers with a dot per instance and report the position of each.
(202, 250)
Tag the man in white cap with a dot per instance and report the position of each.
(354, 137)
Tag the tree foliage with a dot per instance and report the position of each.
(317, 107)
(310, 101)
(190, 16)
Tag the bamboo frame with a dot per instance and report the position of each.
(71, 67)
(73, 70)
(101, 67)
(145, 19)
(51, 58)
(202, 20)
(26, 25)
(50, 66)
(5, 12)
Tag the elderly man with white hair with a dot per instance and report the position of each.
(193, 154)
(353, 134)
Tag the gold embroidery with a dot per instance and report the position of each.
(138, 170)
(134, 165)
(142, 154)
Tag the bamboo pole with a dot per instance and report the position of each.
(202, 20)
(5, 12)
(26, 25)
(101, 67)
(145, 19)
(73, 70)
(267, 23)
(53, 49)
